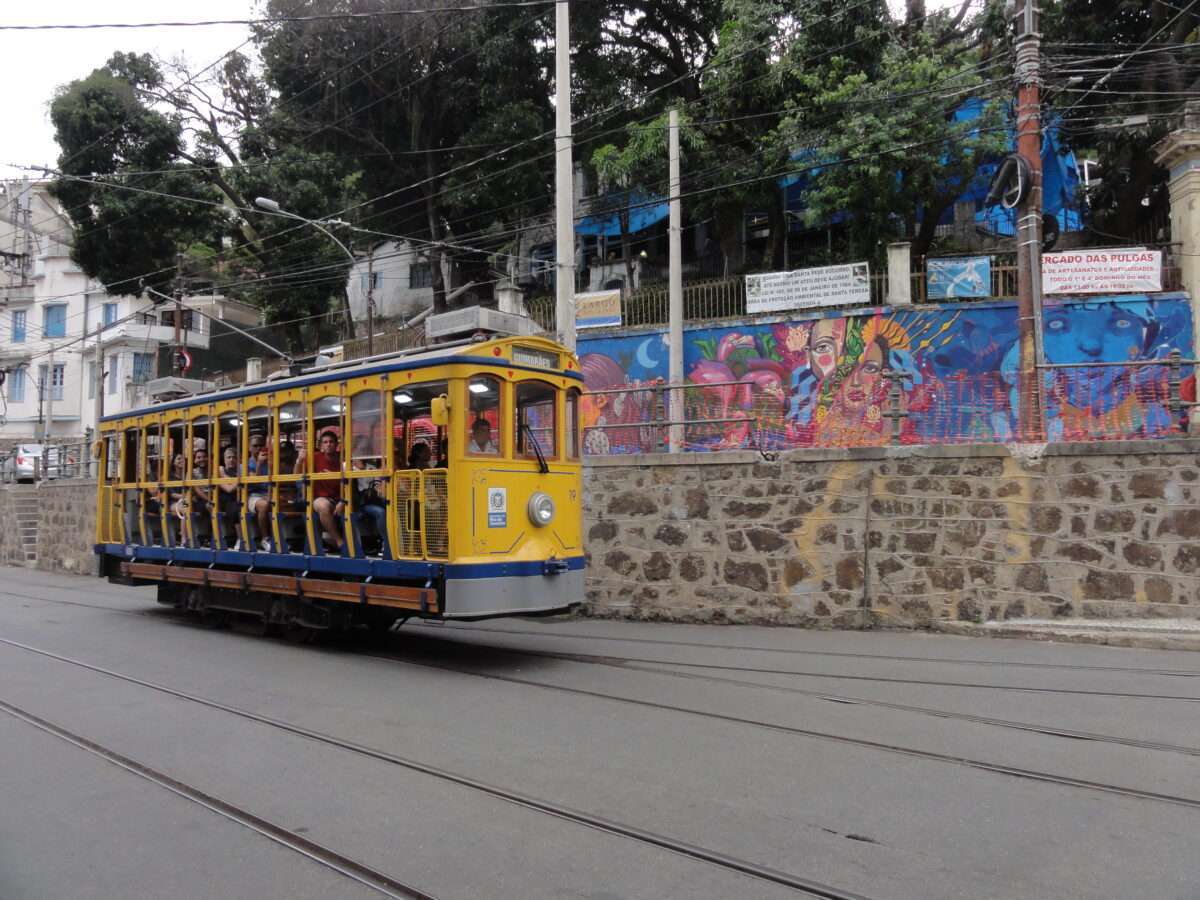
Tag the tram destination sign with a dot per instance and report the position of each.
(537, 359)
(1128, 271)
(846, 285)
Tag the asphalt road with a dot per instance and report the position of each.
(142, 755)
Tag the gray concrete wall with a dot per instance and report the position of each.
(883, 536)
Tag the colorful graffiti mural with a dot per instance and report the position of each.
(824, 381)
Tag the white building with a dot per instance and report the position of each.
(402, 279)
(49, 314)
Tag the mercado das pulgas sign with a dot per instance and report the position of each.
(808, 288)
(1128, 271)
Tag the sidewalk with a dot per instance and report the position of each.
(1149, 634)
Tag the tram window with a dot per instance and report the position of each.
(176, 455)
(258, 427)
(153, 469)
(292, 437)
(229, 434)
(112, 457)
(131, 456)
(414, 425)
(535, 416)
(483, 419)
(573, 423)
(326, 417)
(366, 429)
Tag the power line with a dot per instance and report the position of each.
(321, 17)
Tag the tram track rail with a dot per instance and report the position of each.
(657, 667)
(1019, 772)
(608, 826)
(836, 654)
(629, 662)
(343, 865)
(791, 651)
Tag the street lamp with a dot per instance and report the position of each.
(273, 206)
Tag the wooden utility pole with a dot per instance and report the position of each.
(1031, 423)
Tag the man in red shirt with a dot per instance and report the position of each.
(327, 493)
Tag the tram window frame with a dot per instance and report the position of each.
(291, 427)
(571, 407)
(326, 413)
(176, 429)
(377, 417)
(112, 457)
(474, 413)
(229, 422)
(258, 421)
(201, 430)
(521, 407)
(131, 444)
(152, 445)
(418, 407)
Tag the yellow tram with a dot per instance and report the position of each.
(441, 483)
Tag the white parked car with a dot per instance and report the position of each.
(29, 462)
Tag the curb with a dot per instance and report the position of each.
(1066, 634)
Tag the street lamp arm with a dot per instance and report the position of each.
(274, 208)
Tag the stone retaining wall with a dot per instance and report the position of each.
(899, 536)
(902, 536)
(66, 527)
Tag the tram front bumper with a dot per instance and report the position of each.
(479, 598)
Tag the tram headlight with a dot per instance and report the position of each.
(541, 509)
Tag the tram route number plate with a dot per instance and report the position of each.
(497, 500)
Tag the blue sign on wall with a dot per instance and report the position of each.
(962, 276)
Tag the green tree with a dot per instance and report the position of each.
(424, 105)
(129, 226)
(1115, 63)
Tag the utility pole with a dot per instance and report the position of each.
(99, 401)
(564, 199)
(48, 393)
(175, 355)
(675, 399)
(1031, 424)
(371, 301)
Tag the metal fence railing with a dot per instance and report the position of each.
(49, 462)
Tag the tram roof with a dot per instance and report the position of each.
(455, 352)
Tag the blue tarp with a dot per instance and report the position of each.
(1060, 183)
(643, 214)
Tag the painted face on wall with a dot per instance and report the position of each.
(825, 344)
(1093, 332)
(860, 387)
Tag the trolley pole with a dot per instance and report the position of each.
(564, 193)
(1031, 424)
(675, 360)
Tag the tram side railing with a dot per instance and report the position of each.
(421, 504)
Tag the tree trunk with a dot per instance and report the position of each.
(626, 250)
(435, 250)
(777, 222)
(923, 239)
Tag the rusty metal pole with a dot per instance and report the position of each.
(1031, 425)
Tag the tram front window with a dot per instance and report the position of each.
(419, 444)
(483, 420)
(535, 419)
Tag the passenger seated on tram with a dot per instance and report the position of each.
(258, 501)
(200, 502)
(420, 457)
(173, 497)
(327, 493)
(481, 438)
(228, 507)
(369, 502)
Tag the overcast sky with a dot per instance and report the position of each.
(34, 64)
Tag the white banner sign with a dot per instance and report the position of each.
(807, 288)
(1131, 271)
